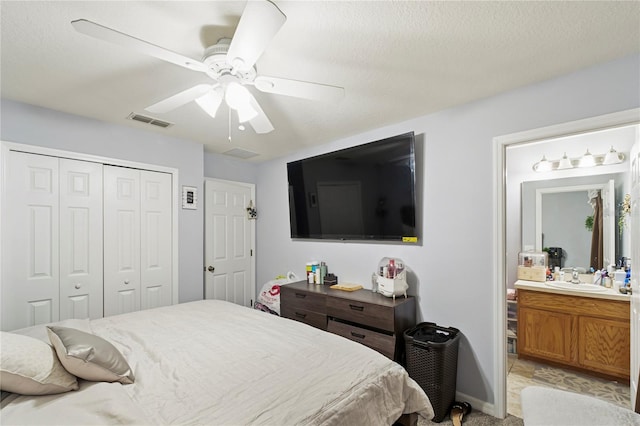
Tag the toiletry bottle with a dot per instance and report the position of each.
(392, 268)
(323, 272)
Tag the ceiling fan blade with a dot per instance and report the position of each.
(210, 101)
(299, 89)
(179, 99)
(112, 36)
(258, 24)
(260, 122)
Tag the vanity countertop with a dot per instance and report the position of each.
(609, 293)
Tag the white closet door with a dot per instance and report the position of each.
(155, 241)
(80, 239)
(121, 240)
(30, 242)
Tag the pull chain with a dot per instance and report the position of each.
(229, 109)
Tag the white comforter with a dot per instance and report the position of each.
(216, 363)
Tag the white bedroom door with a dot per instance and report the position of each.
(229, 242)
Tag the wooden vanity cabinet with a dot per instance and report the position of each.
(586, 333)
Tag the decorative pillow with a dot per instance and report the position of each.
(29, 366)
(40, 331)
(88, 356)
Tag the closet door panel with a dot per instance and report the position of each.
(30, 241)
(121, 240)
(81, 275)
(155, 241)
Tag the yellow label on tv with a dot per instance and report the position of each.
(409, 239)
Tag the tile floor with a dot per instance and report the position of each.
(522, 373)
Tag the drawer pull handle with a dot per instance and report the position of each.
(299, 315)
(301, 295)
(359, 336)
(357, 308)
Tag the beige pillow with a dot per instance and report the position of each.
(88, 356)
(29, 366)
(40, 331)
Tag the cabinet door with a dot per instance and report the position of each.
(121, 240)
(155, 241)
(30, 290)
(545, 334)
(80, 239)
(604, 345)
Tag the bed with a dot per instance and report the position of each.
(217, 363)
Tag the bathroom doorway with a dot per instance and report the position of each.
(548, 141)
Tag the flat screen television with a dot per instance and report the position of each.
(366, 192)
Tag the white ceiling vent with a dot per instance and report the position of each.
(240, 153)
(149, 120)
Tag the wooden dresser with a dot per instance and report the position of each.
(362, 316)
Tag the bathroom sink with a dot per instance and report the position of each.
(576, 287)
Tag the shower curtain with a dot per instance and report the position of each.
(596, 237)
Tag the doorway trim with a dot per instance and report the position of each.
(500, 144)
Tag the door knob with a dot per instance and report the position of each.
(78, 286)
(211, 269)
(126, 281)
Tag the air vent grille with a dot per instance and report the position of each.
(240, 153)
(149, 120)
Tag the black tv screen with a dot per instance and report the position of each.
(366, 192)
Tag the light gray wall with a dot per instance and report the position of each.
(224, 167)
(32, 125)
(452, 268)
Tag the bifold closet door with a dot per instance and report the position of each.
(137, 239)
(52, 240)
(30, 292)
(155, 241)
(80, 239)
(121, 240)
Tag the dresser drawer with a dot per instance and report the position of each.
(373, 315)
(301, 299)
(315, 319)
(383, 343)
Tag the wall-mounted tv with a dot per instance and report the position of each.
(366, 192)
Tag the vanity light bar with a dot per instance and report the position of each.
(587, 160)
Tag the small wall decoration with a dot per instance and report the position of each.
(252, 213)
(190, 197)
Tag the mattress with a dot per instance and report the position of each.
(216, 363)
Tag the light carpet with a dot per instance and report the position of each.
(477, 418)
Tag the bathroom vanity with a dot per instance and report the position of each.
(584, 330)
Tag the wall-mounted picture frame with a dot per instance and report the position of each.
(190, 197)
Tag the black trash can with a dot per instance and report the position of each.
(432, 361)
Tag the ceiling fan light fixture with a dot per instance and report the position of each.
(210, 102)
(246, 113)
(236, 96)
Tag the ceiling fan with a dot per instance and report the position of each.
(230, 63)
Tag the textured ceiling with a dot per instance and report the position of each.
(396, 59)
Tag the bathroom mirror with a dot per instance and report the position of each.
(554, 214)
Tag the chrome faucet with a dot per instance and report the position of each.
(575, 277)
